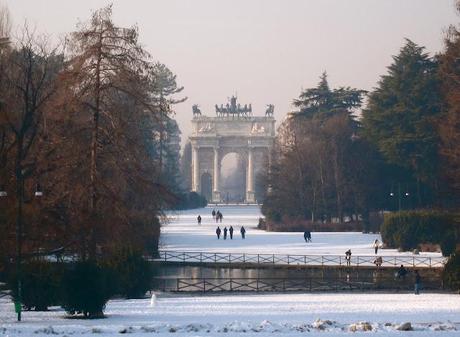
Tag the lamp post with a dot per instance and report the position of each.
(20, 196)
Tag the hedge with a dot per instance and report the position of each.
(406, 230)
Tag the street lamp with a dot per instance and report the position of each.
(38, 193)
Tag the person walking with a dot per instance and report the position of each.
(348, 257)
(213, 213)
(217, 216)
(243, 232)
(378, 262)
(225, 233)
(402, 272)
(199, 219)
(376, 246)
(218, 231)
(220, 217)
(305, 236)
(417, 281)
(230, 231)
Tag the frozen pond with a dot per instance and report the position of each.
(182, 233)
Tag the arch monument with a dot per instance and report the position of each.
(234, 129)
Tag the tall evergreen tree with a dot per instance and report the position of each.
(400, 115)
(449, 122)
(321, 101)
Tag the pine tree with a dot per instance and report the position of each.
(400, 115)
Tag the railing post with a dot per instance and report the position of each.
(244, 257)
(273, 258)
(204, 285)
(229, 257)
(357, 261)
(413, 261)
(429, 259)
(215, 257)
(395, 262)
(322, 260)
(183, 257)
(177, 284)
(258, 258)
(166, 257)
(305, 259)
(340, 260)
(257, 283)
(288, 259)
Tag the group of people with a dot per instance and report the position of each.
(230, 232)
(217, 215)
(307, 236)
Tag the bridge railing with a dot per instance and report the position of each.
(289, 284)
(416, 261)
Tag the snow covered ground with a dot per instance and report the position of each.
(182, 233)
(252, 315)
(311, 314)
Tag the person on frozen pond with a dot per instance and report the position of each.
(225, 233)
(243, 232)
(218, 231)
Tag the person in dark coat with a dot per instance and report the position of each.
(243, 232)
(213, 213)
(417, 281)
(218, 231)
(402, 272)
(348, 257)
(307, 236)
(199, 219)
(225, 233)
(230, 231)
(217, 216)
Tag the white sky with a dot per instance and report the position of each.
(266, 51)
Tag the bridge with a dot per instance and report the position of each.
(239, 259)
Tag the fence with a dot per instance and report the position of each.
(288, 284)
(418, 261)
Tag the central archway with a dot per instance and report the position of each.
(233, 178)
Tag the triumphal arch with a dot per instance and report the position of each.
(234, 129)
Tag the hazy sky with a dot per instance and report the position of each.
(266, 51)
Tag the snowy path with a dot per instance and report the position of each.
(251, 315)
(183, 234)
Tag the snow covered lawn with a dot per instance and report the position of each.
(252, 315)
(182, 233)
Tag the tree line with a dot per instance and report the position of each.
(88, 142)
(351, 153)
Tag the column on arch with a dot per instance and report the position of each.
(195, 170)
(250, 195)
(216, 176)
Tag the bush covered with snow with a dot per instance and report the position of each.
(408, 229)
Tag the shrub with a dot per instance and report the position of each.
(86, 289)
(408, 229)
(451, 272)
(40, 284)
(191, 200)
(134, 274)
